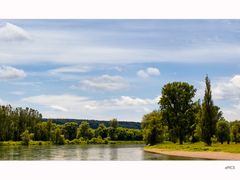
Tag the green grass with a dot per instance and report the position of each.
(17, 143)
(200, 146)
(67, 142)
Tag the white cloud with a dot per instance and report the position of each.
(81, 47)
(151, 71)
(72, 106)
(70, 69)
(131, 101)
(10, 32)
(227, 88)
(142, 73)
(105, 82)
(58, 108)
(8, 72)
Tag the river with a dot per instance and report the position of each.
(130, 152)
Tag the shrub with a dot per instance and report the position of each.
(26, 137)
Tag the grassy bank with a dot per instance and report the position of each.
(17, 143)
(197, 147)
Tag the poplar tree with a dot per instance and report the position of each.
(208, 114)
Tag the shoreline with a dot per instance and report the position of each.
(197, 154)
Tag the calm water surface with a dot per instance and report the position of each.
(81, 152)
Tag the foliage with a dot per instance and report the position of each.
(59, 138)
(152, 128)
(114, 123)
(235, 131)
(112, 133)
(14, 121)
(223, 131)
(94, 124)
(69, 130)
(26, 137)
(210, 114)
(101, 131)
(176, 105)
(85, 131)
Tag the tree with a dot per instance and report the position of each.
(114, 123)
(58, 138)
(210, 114)
(26, 137)
(70, 130)
(112, 130)
(85, 131)
(235, 131)
(152, 128)
(101, 131)
(176, 105)
(223, 131)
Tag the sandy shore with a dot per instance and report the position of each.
(204, 155)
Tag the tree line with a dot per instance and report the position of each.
(18, 124)
(95, 123)
(181, 119)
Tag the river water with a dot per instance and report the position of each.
(132, 152)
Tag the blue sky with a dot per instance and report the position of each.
(103, 69)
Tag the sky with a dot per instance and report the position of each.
(104, 69)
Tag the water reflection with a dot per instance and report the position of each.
(81, 152)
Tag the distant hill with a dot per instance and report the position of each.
(94, 123)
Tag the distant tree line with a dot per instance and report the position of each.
(95, 123)
(18, 124)
(180, 119)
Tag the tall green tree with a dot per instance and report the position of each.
(210, 114)
(176, 104)
(152, 128)
(112, 130)
(223, 131)
(114, 123)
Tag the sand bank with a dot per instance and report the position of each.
(204, 155)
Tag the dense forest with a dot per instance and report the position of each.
(180, 119)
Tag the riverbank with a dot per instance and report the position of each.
(198, 150)
(18, 143)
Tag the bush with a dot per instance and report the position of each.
(59, 139)
(26, 137)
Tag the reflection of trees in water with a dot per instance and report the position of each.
(84, 153)
(77, 152)
(113, 153)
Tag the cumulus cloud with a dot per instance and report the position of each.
(105, 82)
(131, 101)
(227, 88)
(11, 32)
(151, 71)
(8, 72)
